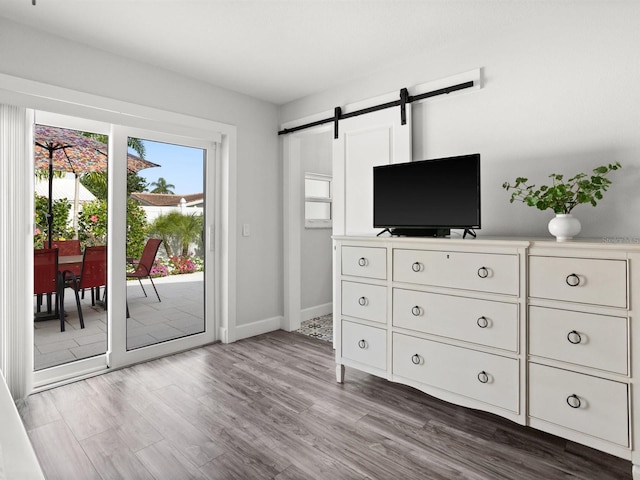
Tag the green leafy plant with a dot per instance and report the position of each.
(177, 229)
(60, 228)
(92, 222)
(136, 229)
(562, 195)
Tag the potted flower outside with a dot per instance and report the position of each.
(562, 196)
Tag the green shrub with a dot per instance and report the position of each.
(60, 227)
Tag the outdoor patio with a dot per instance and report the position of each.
(180, 313)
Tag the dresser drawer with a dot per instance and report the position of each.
(369, 262)
(364, 344)
(582, 280)
(495, 273)
(366, 301)
(484, 322)
(488, 378)
(582, 403)
(596, 341)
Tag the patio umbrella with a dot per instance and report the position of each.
(61, 149)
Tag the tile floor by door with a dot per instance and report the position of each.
(318, 327)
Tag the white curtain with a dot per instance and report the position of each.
(16, 249)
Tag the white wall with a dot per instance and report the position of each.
(316, 245)
(560, 94)
(33, 55)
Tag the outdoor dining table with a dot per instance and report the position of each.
(67, 260)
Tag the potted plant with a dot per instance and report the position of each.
(562, 196)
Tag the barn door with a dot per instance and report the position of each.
(365, 141)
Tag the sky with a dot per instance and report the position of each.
(180, 166)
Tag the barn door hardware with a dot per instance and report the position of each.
(402, 102)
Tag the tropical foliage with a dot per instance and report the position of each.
(161, 186)
(178, 230)
(136, 229)
(96, 182)
(173, 266)
(92, 223)
(60, 227)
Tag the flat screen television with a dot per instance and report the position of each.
(428, 197)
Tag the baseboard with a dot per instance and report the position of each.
(317, 311)
(259, 327)
(223, 335)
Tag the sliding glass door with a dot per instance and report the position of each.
(164, 246)
(71, 217)
(166, 268)
(142, 204)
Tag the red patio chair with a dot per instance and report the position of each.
(93, 274)
(143, 268)
(46, 278)
(67, 247)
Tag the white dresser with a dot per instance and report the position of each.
(539, 332)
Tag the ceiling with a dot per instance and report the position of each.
(277, 51)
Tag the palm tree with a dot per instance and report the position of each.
(161, 186)
(136, 144)
(96, 182)
(188, 229)
(162, 227)
(179, 228)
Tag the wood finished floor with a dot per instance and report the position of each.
(269, 408)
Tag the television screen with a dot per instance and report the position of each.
(430, 194)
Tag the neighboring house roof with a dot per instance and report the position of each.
(166, 200)
(64, 188)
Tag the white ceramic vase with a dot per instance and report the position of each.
(564, 227)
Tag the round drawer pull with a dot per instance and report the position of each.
(483, 377)
(362, 344)
(574, 401)
(574, 337)
(483, 272)
(362, 262)
(573, 280)
(416, 311)
(415, 359)
(416, 267)
(362, 301)
(483, 322)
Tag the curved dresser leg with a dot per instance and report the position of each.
(340, 379)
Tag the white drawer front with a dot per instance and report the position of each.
(583, 280)
(366, 301)
(484, 322)
(488, 378)
(598, 407)
(470, 271)
(364, 344)
(596, 341)
(370, 262)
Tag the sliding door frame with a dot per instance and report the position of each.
(39, 96)
(119, 356)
